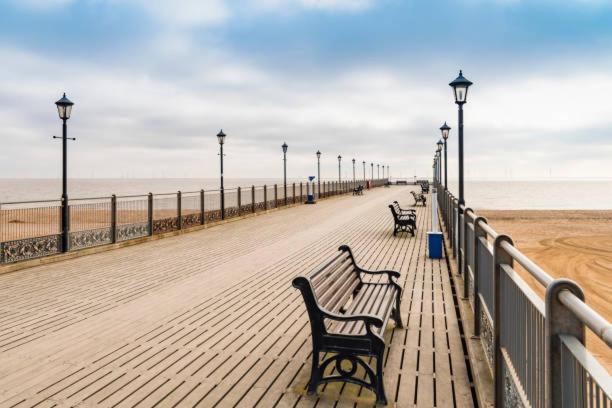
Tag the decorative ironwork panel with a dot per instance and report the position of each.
(231, 212)
(246, 208)
(165, 225)
(486, 337)
(191, 220)
(90, 238)
(29, 248)
(212, 216)
(260, 206)
(131, 231)
(280, 202)
(512, 397)
(272, 204)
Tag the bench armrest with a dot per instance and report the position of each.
(390, 274)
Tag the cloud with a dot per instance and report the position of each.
(332, 5)
(187, 12)
(40, 5)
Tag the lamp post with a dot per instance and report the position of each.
(378, 171)
(64, 109)
(319, 171)
(372, 171)
(364, 174)
(388, 174)
(221, 139)
(440, 144)
(339, 168)
(460, 89)
(354, 183)
(284, 146)
(445, 129)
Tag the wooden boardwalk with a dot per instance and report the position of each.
(210, 318)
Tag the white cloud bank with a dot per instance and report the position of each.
(133, 123)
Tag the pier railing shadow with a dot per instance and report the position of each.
(32, 229)
(535, 347)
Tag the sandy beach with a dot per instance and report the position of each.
(574, 244)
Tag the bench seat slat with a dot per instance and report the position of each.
(335, 279)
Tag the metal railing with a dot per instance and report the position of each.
(32, 229)
(535, 347)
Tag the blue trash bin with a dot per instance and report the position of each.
(434, 242)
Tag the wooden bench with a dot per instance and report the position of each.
(349, 308)
(358, 190)
(408, 213)
(405, 222)
(424, 188)
(419, 198)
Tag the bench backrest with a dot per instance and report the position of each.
(330, 286)
(393, 211)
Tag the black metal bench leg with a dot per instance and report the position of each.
(380, 387)
(397, 315)
(314, 373)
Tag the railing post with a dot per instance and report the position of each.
(150, 213)
(239, 192)
(561, 320)
(293, 199)
(302, 192)
(252, 199)
(202, 209)
(464, 267)
(113, 218)
(179, 211)
(265, 197)
(500, 257)
(275, 196)
(478, 233)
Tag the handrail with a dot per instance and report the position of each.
(531, 345)
(227, 189)
(487, 228)
(600, 326)
(531, 267)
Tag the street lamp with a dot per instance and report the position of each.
(372, 171)
(445, 129)
(319, 171)
(378, 171)
(440, 144)
(221, 139)
(364, 174)
(339, 168)
(64, 109)
(284, 146)
(354, 183)
(460, 89)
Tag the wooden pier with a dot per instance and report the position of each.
(210, 318)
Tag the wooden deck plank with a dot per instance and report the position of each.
(210, 318)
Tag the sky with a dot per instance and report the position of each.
(154, 81)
